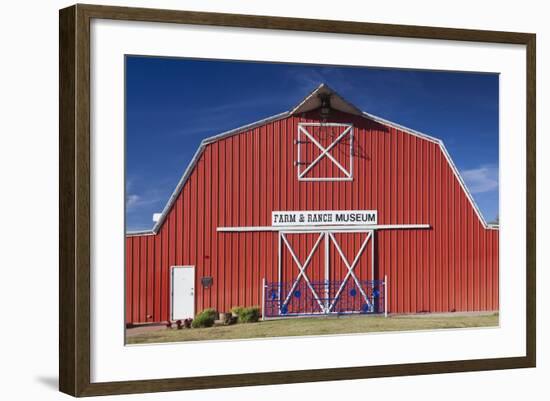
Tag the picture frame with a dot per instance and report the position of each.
(75, 208)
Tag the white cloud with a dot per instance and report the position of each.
(150, 198)
(132, 200)
(481, 179)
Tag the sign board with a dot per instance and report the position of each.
(324, 217)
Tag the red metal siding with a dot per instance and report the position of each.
(238, 180)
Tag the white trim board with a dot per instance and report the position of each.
(342, 228)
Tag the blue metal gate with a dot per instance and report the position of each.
(327, 297)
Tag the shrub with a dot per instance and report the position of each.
(168, 324)
(179, 324)
(250, 315)
(204, 319)
(236, 310)
(187, 323)
(247, 315)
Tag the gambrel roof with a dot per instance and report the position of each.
(309, 103)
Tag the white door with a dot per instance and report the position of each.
(183, 292)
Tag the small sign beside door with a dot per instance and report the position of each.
(324, 217)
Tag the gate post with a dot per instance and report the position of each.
(385, 295)
(280, 273)
(263, 298)
(327, 272)
(372, 270)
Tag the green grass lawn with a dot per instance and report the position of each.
(308, 326)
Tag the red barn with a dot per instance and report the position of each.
(322, 209)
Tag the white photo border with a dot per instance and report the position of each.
(111, 360)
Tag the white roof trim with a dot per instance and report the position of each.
(298, 109)
(411, 131)
(194, 160)
(447, 157)
(139, 233)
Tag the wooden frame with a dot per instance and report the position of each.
(74, 200)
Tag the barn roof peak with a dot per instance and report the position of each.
(311, 102)
(316, 98)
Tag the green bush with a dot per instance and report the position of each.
(250, 315)
(236, 310)
(247, 315)
(204, 319)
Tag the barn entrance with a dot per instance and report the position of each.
(326, 262)
(325, 272)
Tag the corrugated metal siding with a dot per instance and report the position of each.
(240, 179)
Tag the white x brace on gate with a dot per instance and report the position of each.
(327, 306)
(325, 232)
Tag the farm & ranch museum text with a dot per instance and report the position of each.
(324, 217)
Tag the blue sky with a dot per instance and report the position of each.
(172, 104)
